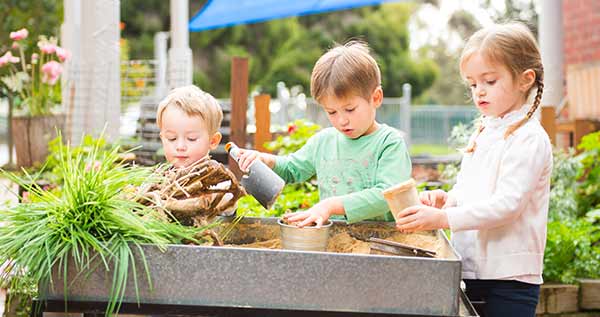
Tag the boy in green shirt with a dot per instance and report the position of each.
(357, 158)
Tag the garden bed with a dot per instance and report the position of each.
(286, 280)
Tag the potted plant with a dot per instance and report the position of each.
(33, 81)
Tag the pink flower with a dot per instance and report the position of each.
(47, 47)
(19, 35)
(62, 53)
(25, 197)
(95, 166)
(34, 58)
(51, 71)
(3, 61)
(15, 45)
(10, 58)
(292, 128)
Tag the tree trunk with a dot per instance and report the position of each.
(32, 135)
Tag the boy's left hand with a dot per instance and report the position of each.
(421, 217)
(318, 213)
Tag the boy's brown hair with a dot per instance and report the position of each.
(194, 102)
(344, 71)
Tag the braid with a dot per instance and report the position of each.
(473, 145)
(536, 103)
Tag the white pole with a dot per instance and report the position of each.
(180, 54)
(405, 112)
(160, 55)
(551, 47)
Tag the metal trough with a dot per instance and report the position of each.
(282, 280)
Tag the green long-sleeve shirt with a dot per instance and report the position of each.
(357, 170)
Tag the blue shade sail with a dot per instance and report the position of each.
(222, 13)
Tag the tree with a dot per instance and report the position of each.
(38, 16)
(286, 49)
(449, 87)
(515, 10)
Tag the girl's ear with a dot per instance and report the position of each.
(377, 96)
(215, 139)
(527, 79)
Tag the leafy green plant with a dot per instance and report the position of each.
(298, 132)
(563, 202)
(52, 170)
(589, 191)
(294, 197)
(572, 251)
(93, 216)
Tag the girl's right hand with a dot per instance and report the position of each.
(434, 198)
(246, 158)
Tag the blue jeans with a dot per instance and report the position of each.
(499, 298)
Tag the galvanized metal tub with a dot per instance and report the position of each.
(284, 279)
(304, 239)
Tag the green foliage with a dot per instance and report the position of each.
(294, 196)
(52, 170)
(515, 10)
(92, 217)
(589, 189)
(38, 16)
(572, 251)
(563, 202)
(299, 132)
(386, 31)
(287, 49)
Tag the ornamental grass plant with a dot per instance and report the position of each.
(91, 217)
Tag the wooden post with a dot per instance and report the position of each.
(549, 122)
(582, 127)
(239, 106)
(263, 121)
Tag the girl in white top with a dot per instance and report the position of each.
(498, 208)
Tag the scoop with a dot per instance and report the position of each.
(259, 181)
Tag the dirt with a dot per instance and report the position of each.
(342, 239)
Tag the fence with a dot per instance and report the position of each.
(429, 124)
(138, 79)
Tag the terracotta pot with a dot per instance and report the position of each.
(31, 136)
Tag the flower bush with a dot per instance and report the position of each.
(294, 196)
(33, 78)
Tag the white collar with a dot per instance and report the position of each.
(508, 119)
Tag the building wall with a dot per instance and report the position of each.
(581, 19)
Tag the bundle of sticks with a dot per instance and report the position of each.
(194, 195)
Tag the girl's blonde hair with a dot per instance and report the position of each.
(345, 71)
(514, 46)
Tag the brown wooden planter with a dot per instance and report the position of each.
(590, 294)
(31, 136)
(558, 298)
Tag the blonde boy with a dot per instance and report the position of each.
(357, 158)
(189, 121)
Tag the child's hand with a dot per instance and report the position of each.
(317, 214)
(246, 158)
(434, 198)
(419, 218)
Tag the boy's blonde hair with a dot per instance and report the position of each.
(345, 71)
(514, 46)
(194, 102)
